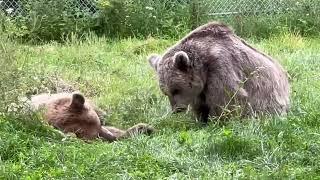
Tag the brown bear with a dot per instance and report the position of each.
(73, 113)
(216, 72)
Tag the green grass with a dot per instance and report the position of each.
(117, 76)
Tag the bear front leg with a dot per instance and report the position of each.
(225, 91)
(201, 109)
(107, 135)
(140, 128)
(111, 133)
(201, 112)
(118, 133)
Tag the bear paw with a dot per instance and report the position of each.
(140, 128)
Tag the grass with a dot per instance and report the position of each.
(117, 76)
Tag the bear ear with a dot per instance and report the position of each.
(77, 101)
(154, 60)
(181, 60)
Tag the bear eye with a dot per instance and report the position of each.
(175, 92)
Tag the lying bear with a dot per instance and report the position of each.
(72, 113)
(215, 72)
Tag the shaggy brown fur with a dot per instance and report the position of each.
(212, 69)
(72, 113)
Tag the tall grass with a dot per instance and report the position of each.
(10, 73)
(58, 19)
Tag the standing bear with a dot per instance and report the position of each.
(73, 113)
(219, 74)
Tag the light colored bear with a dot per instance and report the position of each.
(73, 113)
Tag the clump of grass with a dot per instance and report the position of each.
(10, 74)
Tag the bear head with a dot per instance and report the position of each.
(179, 78)
(71, 113)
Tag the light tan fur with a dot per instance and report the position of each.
(72, 113)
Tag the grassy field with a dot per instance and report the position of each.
(117, 76)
